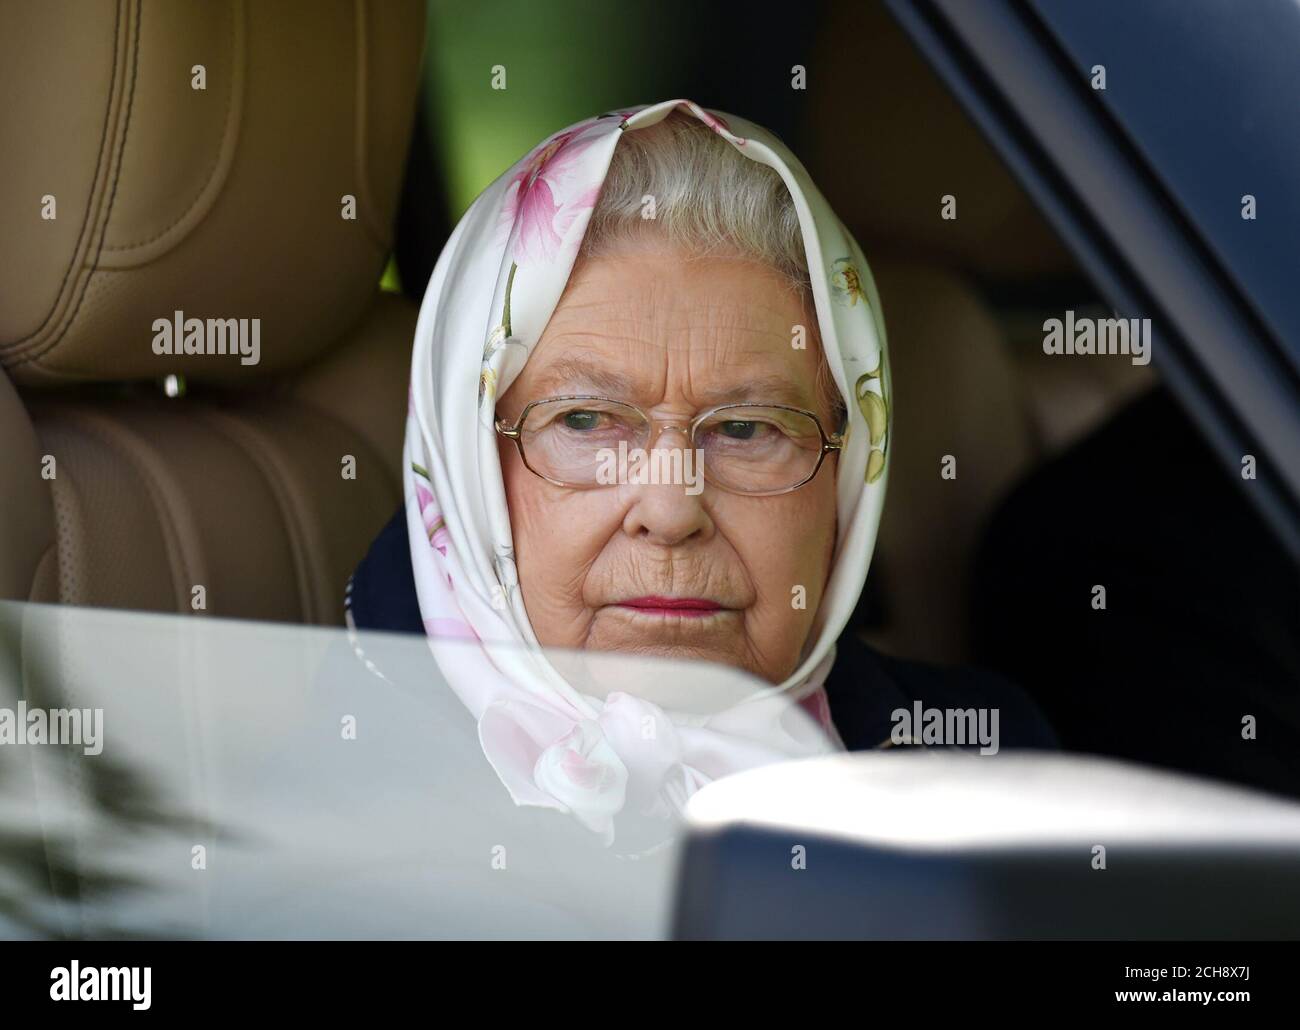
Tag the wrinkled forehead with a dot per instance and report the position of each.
(656, 326)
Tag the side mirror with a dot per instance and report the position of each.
(950, 845)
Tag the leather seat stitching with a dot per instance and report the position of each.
(254, 445)
(186, 570)
(102, 229)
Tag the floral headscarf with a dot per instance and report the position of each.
(495, 287)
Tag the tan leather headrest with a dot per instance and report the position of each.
(222, 203)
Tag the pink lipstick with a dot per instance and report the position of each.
(690, 607)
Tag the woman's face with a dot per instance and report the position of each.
(674, 337)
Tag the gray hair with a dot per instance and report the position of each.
(708, 199)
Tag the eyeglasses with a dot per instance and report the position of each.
(755, 449)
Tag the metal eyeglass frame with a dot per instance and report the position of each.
(830, 443)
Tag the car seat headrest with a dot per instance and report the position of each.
(227, 168)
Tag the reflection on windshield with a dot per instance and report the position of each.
(261, 780)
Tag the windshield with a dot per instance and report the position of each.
(193, 777)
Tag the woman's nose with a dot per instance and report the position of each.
(665, 508)
(666, 514)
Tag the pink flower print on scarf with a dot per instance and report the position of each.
(447, 619)
(434, 525)
(552, 188)
(714, 121)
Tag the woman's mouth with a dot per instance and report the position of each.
(687, 607)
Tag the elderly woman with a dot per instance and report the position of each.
(650, 284)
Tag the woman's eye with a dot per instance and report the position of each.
(581, 421)
(739, 430)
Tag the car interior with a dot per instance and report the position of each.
(232, 483)
(127, 485)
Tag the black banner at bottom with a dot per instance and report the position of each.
(169, 979)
